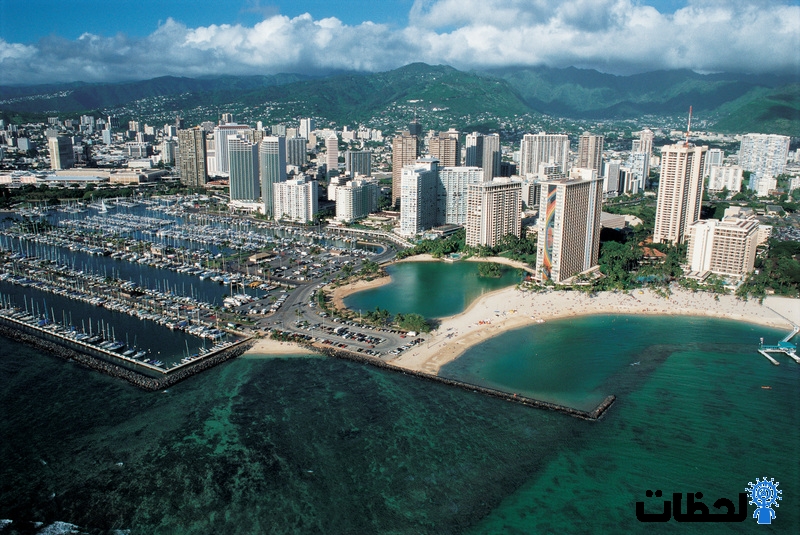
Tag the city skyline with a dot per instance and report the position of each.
(195, 39)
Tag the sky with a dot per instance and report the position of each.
(47, 41)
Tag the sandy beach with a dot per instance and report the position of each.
(502, 260)
(268, 346)
(338, 294)
(509, 308)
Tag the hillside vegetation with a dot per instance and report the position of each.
(734, 102)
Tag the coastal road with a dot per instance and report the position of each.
(297, 308)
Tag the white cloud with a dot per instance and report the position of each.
(620, 36)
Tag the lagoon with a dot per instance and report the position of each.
(432, 289)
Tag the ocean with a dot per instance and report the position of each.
(319, 445)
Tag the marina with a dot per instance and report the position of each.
(103, 352)
(169, 282)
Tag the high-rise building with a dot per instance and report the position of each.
(713, 157)
(272, 170)
(221, 133)
(306, 127)
(88, 121)
(646, 137)
(61, 155)
(726, 247)
(492, 157)
(452, 191)
(494, 211)
(244, 169)
(24, 144)
(590, 152)
(295, 200)
(358, 163)
(192, 157)
(135, 126)
(107, 136)
(414, 128)
(296, 152)
(474, 150)
(356, 199)
(446, 148)
(226, 118)
(419, 184)
(168, 147)
(543, 148)
(639, 164)
(725, 177)
(332, 154)
(569, 228)
(611, 183)
(680, 191)
(405, 149)
(764, 154)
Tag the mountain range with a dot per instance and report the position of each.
(728, 102)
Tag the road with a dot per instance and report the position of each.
(296, 311)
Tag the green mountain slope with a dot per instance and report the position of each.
(78, 97)
(764, 111)
(583, 93)
(738, 103)
(355, 97)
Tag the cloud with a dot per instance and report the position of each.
(618, 36)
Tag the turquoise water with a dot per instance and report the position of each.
(318, 445)
(432, 289)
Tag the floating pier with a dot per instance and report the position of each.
(784, 346)
(137, 372)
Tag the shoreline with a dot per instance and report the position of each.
(268, 346)
(509, 308)
(339, 294)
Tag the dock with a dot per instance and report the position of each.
(784, 346)
(143, 374)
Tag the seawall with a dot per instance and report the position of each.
(593, 415)
(62, 349)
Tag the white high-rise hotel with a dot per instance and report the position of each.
(332, 154)
(356, 199)
(418, 196)
(764, 154)
(543, 148)
(726, 247)
(452, 193)
(295, 200)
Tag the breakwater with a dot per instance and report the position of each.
(593, 415)
(138, 377)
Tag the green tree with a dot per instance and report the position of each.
(412, 322)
